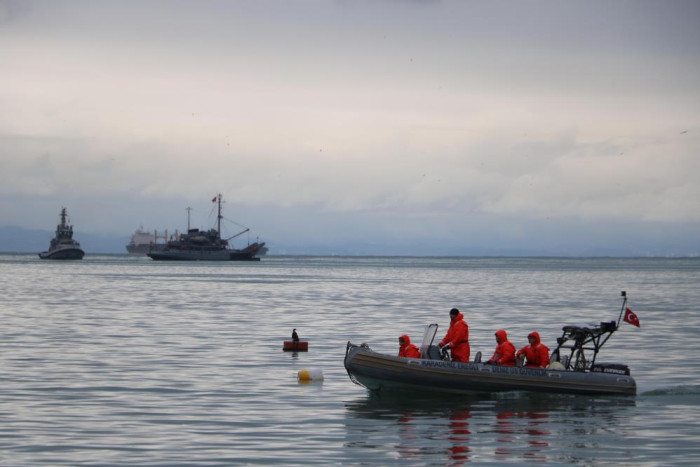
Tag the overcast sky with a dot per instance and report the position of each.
(553, 126)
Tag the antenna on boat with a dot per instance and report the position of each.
(623, 294)
(188, 209)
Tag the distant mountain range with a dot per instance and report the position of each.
(20, 240)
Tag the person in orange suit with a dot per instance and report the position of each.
(406, 349)
(535, 353)
(504, 354)
(457, 337)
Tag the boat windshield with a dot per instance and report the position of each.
(428, 337)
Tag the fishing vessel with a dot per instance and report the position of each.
(197, 245)
(63, 246)
(574, 369)
(142, 241)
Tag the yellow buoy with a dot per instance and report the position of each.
(313, 374)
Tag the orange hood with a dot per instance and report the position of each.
(459, 317)
(501, 336)
(536, 336)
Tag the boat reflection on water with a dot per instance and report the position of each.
(456, 430)
(459, 434)
(532, 423)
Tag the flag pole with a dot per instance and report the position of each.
(624, 302)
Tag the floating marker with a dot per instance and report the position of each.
(312, 374)
(295, 346)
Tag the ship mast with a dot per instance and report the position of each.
(63, 217)
(63, 230)
(219, 217)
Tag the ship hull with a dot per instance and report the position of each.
(143, 250)
(63, 254)
(247, 254)
(137, 249)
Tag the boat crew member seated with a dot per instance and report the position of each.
(536, 354)
(504, 354)
(457, 337)
(406, 349)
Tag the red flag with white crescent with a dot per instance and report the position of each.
(631, 318)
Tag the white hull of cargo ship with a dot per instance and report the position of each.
(142, 242)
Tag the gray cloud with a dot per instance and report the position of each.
(494, 118)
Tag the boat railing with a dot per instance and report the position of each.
(584, 342)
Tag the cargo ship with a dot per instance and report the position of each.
(143, 241)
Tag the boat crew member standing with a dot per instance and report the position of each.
(406, 349)
(536, 353)
(457, 337)
(504, 354)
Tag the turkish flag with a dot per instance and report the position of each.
(214, 200)
(630, 317)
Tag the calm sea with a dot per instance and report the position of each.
(118, 360)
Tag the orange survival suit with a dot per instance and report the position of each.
(407, 349)
(537, 354)
(458, 338)
(505, 351)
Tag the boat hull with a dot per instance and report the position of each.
(63, 253)
(378, 372)
(247, 254)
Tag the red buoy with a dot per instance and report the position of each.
(295, 346)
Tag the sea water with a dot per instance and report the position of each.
(118, 360)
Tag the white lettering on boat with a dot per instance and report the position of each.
(509, 370)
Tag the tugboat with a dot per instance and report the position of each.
(62, 245)
(208, 245)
